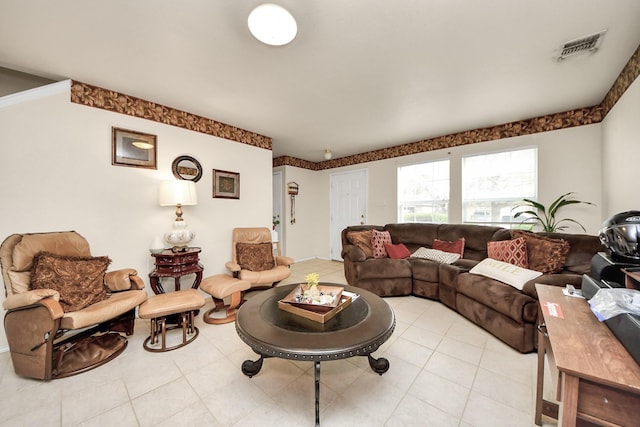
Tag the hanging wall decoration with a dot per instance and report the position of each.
(293, 189)
(132, 148)
(187, 168)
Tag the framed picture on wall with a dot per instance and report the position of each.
(131, 148)
(226, 185)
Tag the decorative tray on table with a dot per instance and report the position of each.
(331, 303)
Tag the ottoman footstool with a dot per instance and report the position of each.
(219, 287)
(183, 303)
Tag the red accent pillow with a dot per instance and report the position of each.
(398, 251)
(456, 247)
(511, 251)
(378, 239)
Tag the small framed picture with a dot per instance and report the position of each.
(131, 148)
(226, 185)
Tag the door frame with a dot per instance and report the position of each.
(278, 205)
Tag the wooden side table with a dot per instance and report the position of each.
(176, 265)
(599, 382)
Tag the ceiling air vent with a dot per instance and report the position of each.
(589, 43)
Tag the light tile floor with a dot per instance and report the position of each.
(445, 371)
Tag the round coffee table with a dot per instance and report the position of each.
(358, 330)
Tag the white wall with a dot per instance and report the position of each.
(56, 174)
(621, 154)
(308, 237)
(568, 160)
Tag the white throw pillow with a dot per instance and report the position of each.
(436, 255)
(505, 272)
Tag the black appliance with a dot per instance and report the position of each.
(620, 234)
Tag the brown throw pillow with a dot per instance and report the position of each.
(255, 256)
(78, 280)
(545, 254)
(362, 239)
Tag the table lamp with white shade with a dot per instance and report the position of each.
(178, 193)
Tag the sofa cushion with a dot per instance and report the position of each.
(255, 256)
(412, 234)
(498, 296)
(78, 280)
(582, 248)
(545, 254)
(362, 239)
(456, 247)
(68, 243)
(398, 251)
(378, 239)
(424, 270)
(436, 255)
(118, 303)
(475, 237)
(510, 251)
(505, 272)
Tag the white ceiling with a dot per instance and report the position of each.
(360, 75)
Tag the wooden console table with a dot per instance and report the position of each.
(176, 265)
(599, 382)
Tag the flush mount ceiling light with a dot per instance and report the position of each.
(272, 24)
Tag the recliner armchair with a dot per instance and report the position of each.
(253, 259)
(45, 341)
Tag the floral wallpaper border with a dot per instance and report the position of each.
(94, 96)
(583, 116)
(628, 75)
(579, 117)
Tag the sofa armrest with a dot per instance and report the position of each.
(558, 279)
(28, 298)
(354, 253)
(284, 260)
(123, 280)
(37, 297)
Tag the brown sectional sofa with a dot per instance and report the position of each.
(506, 312)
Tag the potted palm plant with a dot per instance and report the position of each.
(537, 214)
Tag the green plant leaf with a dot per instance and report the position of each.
(564, 227)
(520, 213)
(546, 219)
(555, 204)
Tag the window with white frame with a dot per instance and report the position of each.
(423, 192)
(493, 184)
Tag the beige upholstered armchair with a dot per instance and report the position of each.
(64, 313)
(253, 259)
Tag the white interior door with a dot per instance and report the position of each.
(348, 205)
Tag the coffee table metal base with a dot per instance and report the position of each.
(252, 367)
